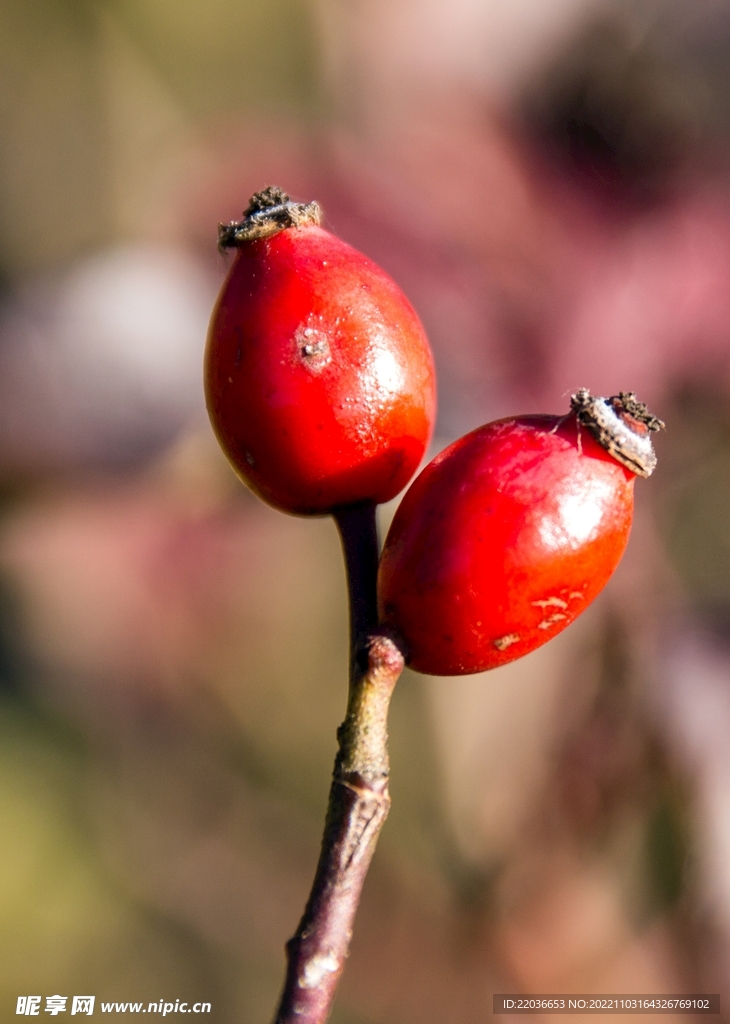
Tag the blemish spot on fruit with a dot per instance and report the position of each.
(230, 380)
(250, 459)
(506, 641)
(551, 602)
(313, 348)
(551, 621)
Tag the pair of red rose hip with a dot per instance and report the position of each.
(320, 386)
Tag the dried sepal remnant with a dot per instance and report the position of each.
(622, 425)
(268, 212)
(627, 403)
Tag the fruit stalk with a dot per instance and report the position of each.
(359, 801)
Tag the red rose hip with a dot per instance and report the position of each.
(511, 532)
(319, 377)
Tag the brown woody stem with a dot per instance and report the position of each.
(358, 801)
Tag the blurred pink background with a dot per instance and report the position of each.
(550, 185)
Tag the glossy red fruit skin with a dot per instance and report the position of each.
(501, 542)
(319, 378)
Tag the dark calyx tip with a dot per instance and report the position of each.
(268, 212)
(622, 425)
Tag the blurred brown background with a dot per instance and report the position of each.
(550, 184)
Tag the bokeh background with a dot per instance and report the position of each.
(550, 184)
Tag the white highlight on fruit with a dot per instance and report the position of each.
(579, 514)
(387, 371)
